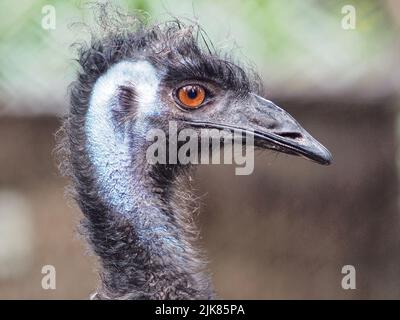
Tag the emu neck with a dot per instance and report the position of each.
(139, 231)
(151, 255)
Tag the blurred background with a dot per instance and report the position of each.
(285, 231)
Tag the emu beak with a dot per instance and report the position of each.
(273, 128)
(276, 129)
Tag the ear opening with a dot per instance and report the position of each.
(125, 106)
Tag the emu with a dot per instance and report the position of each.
(135, 218)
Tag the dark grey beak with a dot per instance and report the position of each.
(283, 133)
(272, 127)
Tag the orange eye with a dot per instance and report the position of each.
(191, 96)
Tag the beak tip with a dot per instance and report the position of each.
(325, 157)
(327, 162)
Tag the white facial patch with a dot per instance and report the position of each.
(107, 145)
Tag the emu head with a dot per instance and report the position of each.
(144, 80)
(135, 81)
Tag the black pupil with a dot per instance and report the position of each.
(192, 93)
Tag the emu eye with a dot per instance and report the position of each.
(191, 96)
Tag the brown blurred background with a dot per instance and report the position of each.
(285, 231)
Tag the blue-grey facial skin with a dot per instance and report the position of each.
(108, 147)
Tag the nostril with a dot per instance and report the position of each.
(290, 135)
